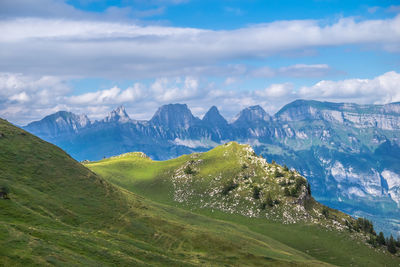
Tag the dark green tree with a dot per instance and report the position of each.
(325, 212)
(285, 168)
(381, 239)
(309, 189)
(365, 225)
(391, 246)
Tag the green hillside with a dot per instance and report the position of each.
(61, 213)
(232, 184)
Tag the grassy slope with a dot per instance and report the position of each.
(60, 213)
(152, 179)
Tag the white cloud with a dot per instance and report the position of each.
(27, 98)
(21, 97)
(277, 91)
(382, 89)
(86, 48)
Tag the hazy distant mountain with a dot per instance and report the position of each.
(117, 115)
(214, 119)
(59, 124)
(349, 152)
(174, 116)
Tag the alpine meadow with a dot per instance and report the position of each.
(199, 133)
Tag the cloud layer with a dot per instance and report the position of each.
(45, 43)
(67, 47)
(27, 98)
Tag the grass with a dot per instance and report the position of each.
(154, 180)
(61, 213)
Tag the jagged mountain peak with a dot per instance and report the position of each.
(214, 118)
(117, 115)
(251, 114)
(174, 116)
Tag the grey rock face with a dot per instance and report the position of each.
(59, 124)
(174, 116)
(250, 115)
(214, 119)
(117, 115)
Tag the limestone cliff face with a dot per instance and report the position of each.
(385, 117)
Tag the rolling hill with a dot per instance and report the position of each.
(231, 183)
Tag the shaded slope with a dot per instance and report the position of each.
(60, 213)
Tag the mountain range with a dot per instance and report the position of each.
(348, 152)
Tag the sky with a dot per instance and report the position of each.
(91, 56)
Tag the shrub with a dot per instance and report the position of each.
(325, 212)
(293, 192)
(189, 170)
(285, 168)
(309, 189)
(256, 192)
(269, 200)
(231, 185)
(299, 183)
(286, 191)
(263, 205)
(244, 166)
(5, 190)
(277, 174)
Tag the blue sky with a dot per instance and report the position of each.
(90, 56)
